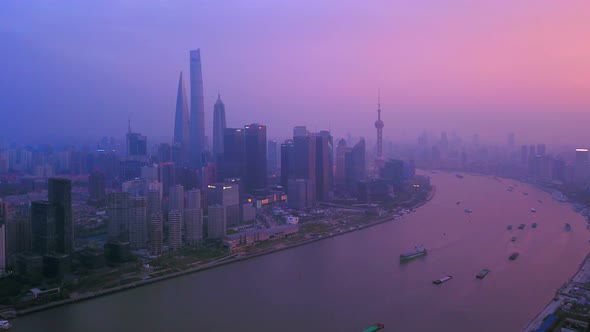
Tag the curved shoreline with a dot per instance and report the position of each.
(229, 259)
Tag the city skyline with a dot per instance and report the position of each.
(466, 81)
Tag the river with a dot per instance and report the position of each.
(349, 282)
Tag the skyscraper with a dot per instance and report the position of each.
(181, 119)
(43, 227)
(193, 217)
(234, 157)
(156, 234)
(175, 229)
(96, 188)
(217, 222)
(255, 171)
(287, 158)
(323, 165)
(303, 163)
(117, 211)
(60, 196)
(197, 120)
(176, 199)
(3, 219)
(227, 195)
(341, 151)
(137, 223)
(272, 156)
(218, 127)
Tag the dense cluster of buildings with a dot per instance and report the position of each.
(186, 193)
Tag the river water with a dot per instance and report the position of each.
(349, 282)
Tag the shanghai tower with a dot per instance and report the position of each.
(218, 126)
(197, 121)
(181, 122)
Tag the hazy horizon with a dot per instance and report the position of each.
(81, 69)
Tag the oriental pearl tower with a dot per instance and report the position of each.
(379, 125)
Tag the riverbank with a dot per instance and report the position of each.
(229, 259)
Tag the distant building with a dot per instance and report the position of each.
(581, 169)
(228, 196)
(233, 164)
(117, 211)
(323, 165)
(303, 165)
(176, 199)
(136, 147)
(272, 158)
(341, 150)
(197, 113)
(175, 229)
(298, 193)
(43, 227)
(355, 164)
(287, 158)
(255, 176)
(181, 118)
(60, 196)
(217, 222)
(156, 234)
(218, 126)
(167, 175)
(193, 218)
(137, 223)
(96, 188)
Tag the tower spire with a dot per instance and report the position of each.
(379, 126)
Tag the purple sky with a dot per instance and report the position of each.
(80, 68)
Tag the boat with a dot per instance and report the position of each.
(441, 280)
(540, 201)
(534, 225)
(458, 202)
(4, 325)
(459, 176)
(526, 194)
(374, 327)
(513, 256)
(418, 252)
(558, 196)
(514, 239)
(521, 226)
(482, 273)
(568, 227)
(533, 210)
(509, 189)
(509, 227)
(468, 210)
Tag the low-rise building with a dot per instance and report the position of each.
(240, 241)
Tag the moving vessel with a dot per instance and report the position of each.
(509, 227)
(441, 280)
(482, 274)
(459, 176)
(513, 256)
(521, 226)
(4, 325)
(468, 210)
(374, 327)
(514, 239)
(534, 225)
(533, 210)
(568, 227)
(418, 252)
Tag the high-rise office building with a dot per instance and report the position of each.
(541, 149)
(255, 171)
(297, 194)
(323, 165)
(181, 118)
(60, 196)
(341, 150)
(96, 188)
(176, 199)
(356, 169)
(156, 234)
(137, 217)
(300, 131)
(227, 195)
(304, 163)
(218, 126)
(217, 222)
(511, 140)
(193, 218)
(234, 154)
(43, 227)
(136, 147)
(272, 150)
(167, 174)
(117, 211)
(174, 229)
(3, 220)
(287, 158)
(581, 167)
(197, 120)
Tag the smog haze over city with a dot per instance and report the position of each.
(278, 165)
(471, 67)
